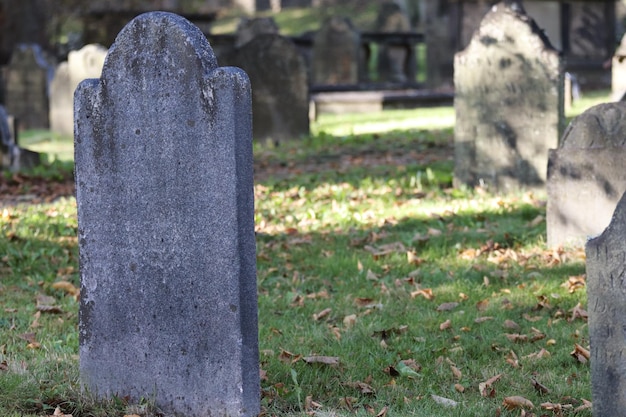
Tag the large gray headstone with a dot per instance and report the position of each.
(586, 176)
(166, 230)
(336, 53)
(280, 92)
(29, 74)
(606, 300)
(508, 103)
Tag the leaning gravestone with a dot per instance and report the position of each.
(166, 230)
(336, 53)
(280, 92)
(28, 77)
(586, 176)
(606, 289)
(508, 103)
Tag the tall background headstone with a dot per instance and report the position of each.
(586, 176)
(280, 92)
(166, 225)
(392, 59)
(85, 63)
(606, 300)
(29, 74)
(336, 53)
(508, 103)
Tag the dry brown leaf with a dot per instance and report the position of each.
(486, 388)
(516, 401)
(322, 314)
(456, 372)
(371, 276)
(427, 293)
(364, 302)
(445, 325)
(349, 321)
(530, 318)
(413, 259)
(66, 286)
(483, 319)
(516, 337)
(511, 325)
(288, 357)
(540, 388)
(538, 355)
(326, 360)
(412, 364)
(459, 388)
(447, 306)
(578, 313)
(59, 413)
(580, 353)
(575, 283)
(362, 387)
(587, 405)
(511, 359)
(383, 412)
(482, 305)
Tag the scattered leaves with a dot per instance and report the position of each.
(580, 353)
(446, 402)
(516, 401)
(326, 360)
(447, 306)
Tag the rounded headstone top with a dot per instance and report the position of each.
(152, 34)
(601, 126)
(248, 29)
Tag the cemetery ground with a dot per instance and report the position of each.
(382, 290)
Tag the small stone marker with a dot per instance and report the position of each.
(508, 103)
(606, 300)
(586, 176)
(12, 157)
(336, 53)
(166, 225)
(280, 91)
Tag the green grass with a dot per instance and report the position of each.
(355, 225)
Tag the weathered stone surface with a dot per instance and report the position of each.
(586, 176)
(508, 102)
(280, 94)
(166, 225)
(336, 53)
(606, 300)
(618, 72)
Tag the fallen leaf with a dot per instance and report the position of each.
(516, 337)
(538, 355)
(511, 359)
(516, 401)
(66, 286)
(447, 306)
(574, 283)
(482, 305)
(427, 293)
(483, 319)
(530, 318)
(413, 259)
(445, 325)
(383, 412)
(59, 413)
(288, 357)
(540, 388)
(511, 325)
(362, 387)
(578, 313)
(456, 372)
(322, 314)
(459, 388)
(580, 353)
(486, 388)
(587, 405)
(326, 360)
(349, 321)
(444, 401)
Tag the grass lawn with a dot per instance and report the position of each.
(382, 290)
